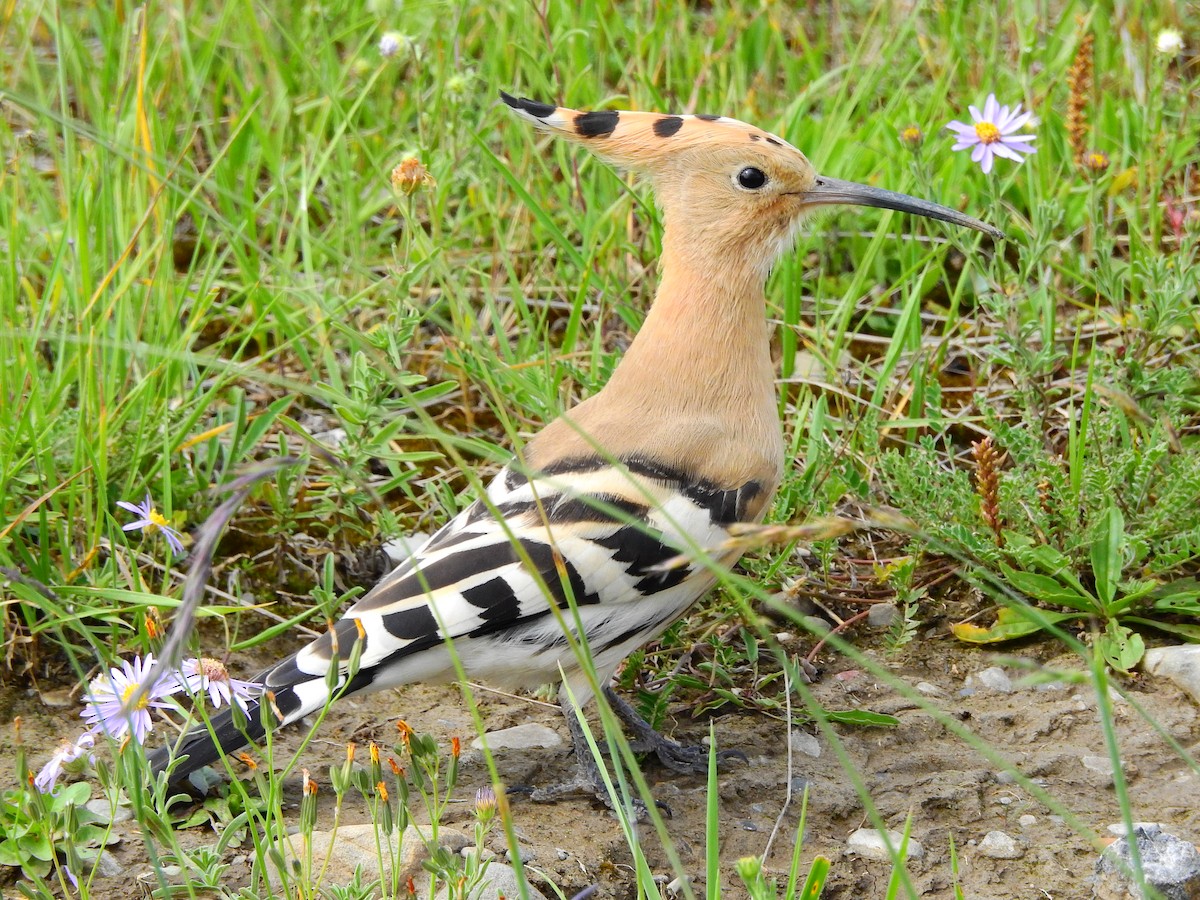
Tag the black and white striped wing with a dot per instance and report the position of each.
(588, 532)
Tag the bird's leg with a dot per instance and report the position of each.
(685, 758)
(588, 777)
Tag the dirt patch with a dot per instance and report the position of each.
(920, 769)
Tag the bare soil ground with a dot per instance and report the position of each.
(919, 769)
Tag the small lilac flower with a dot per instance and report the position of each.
(66, 754)
(151, 521)
(107, 697)
(994, 133)
(207, 674)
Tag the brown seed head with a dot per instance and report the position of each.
(410, 176)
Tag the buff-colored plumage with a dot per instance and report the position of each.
(682, 443)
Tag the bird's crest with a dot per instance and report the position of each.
(643, 141)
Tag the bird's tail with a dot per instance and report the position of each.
(288, 692)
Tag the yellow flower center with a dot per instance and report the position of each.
(143, 701)
(987, 132)
(911, 134)
(158, 520)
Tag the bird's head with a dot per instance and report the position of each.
(729, 187)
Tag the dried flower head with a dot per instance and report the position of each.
(63, 758)
(1079, 94)
(987, 478)
(150, 521)
(455, 747)
(411, 176)
(994, 132)
(1169, 42)
(248, 761)
(382, 790)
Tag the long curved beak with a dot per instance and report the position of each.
(831, 191)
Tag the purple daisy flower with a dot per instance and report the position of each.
(210, 675)
(994, 133)
(66, 754)
(106, 709)
(151, 521)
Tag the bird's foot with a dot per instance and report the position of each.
(687, 759)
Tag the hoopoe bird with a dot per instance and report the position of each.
(684, 441)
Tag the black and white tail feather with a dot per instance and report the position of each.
(586, 532)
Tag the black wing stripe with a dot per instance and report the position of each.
(643, 551)
(496, 598)
(411, 624)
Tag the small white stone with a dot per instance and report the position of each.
(869, 843)
(993, 678)
(1181, 664)
(678, 885)
(882, 615)
(1101, 764)
(929, 690)
(803, 742)
(1149, 829)
(1027, 821)
(529, 736)
(999, 845)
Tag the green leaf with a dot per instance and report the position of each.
(1107, 561)
(1045, 589)
(1121, 647)
(862, 718)
(1011, 622)
(1187, 632)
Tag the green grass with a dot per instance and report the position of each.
(205, 265)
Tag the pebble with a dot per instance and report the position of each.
(498, 881)
(817, 626)
(108, 866)
(1101, 764)
(1171, 866)
(1006, 777)
(529, 736)
(1027, 821)
(803, 742)
(929, 690)
(678, 885)
(882, 615)
(563, 855)
(993, 678)
(1149, 829)
(999, 845)
(869, 843)
(1181, 664)
(527, 855)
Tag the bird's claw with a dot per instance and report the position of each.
(687, 759)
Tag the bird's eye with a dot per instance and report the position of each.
(751, 178)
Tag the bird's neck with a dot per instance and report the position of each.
(695, 391)
(704, 348)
